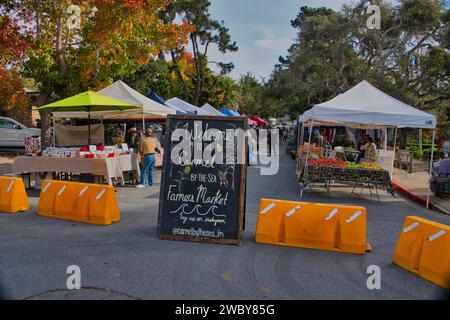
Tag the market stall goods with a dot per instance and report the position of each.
(326, 162)
(379, 179)
(305, 148)
(366, 107)
(32, 146)
(90, 152)
(108, 168)
(327, 170)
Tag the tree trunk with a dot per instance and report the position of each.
(198, 70)
(406, 74)
(46, 138)
(43, 99)
(60, 54)
(38, 21)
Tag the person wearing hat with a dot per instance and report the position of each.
(133, 139)
(148, 149)
(317, 139)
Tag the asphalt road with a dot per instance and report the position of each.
(128, 261)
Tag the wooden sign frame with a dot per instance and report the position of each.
(242, 182)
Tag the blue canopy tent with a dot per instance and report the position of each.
(227, 112)
(154, 96)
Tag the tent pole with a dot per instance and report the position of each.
(393, 158)
(53, 143)
(143, 121)
(310, 132)
(311, 125)
(300, 137)
(420, 140)
(431, 168)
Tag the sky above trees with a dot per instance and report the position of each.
(262, 30)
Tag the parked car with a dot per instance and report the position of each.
(13, 133)
(440, 178)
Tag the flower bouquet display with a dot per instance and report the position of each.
(32, 146)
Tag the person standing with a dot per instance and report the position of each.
(285, 134)
(369, 150)
(158, 136)
(269, 141)
(132, 139)
(148, 149)
(317, 139)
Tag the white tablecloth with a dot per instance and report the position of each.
(108, 167)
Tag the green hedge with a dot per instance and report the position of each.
(418, 154)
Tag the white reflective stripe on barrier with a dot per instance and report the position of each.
(100, 194)
(268, 208)
(353, 217)
(61, 190)
(412, 226)
(10, 186)
(437, 235)
(290, 213)
(332, 214)
(46, 187)
(83, 191)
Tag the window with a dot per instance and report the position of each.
(6, 124)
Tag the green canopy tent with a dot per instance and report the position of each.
(88, 101)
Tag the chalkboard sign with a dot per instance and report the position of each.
(202, 195)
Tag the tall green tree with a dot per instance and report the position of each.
(160, 76)
(207, 32)
(407, 58)
(250, 96)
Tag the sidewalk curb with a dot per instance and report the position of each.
(416, 197)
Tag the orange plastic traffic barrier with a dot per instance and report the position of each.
(312, 225)
(424, 248)
(84, 202)
(13, 197)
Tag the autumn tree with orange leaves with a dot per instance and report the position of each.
(74, 45)
(13, 44)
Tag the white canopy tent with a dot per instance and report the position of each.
(211, 110)
(365, 106)
(121, 91)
